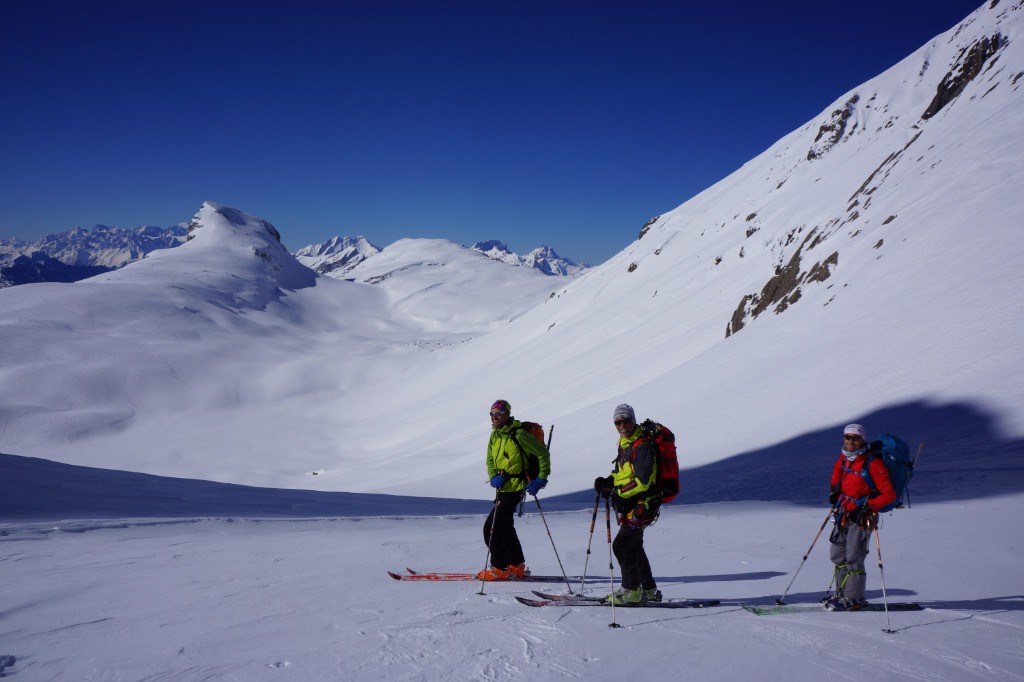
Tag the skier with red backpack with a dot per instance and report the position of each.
(860, 487)
(637, 489)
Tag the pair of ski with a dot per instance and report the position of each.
(812, 608)
(576, 600)
(546, 599)
(560, 600)
(438, 576)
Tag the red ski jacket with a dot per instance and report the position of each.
(853, 486)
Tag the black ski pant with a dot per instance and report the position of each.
(629, 550)
(505, 548)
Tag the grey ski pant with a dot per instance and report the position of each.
(848, 551)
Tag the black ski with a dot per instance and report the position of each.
(810, 608)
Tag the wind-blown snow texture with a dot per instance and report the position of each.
(863, 268)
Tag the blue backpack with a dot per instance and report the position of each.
(895, 454)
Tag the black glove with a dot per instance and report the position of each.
(603, 486)
(833, 495)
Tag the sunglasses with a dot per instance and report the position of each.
(849, 437)
(497, 414)
(620, 422)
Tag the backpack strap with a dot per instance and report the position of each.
(523, 453)
(866, 476)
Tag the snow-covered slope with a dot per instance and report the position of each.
(187, 361)
(864, 267)
(441, 286)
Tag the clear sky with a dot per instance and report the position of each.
(561, 123)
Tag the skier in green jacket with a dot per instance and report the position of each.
(508, 452)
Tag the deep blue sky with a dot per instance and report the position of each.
(563, 123)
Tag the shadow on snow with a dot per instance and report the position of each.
(964, 457)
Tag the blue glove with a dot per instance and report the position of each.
(534, 486)
(497, 481)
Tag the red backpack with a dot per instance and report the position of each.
(664, 442)
(532, 463)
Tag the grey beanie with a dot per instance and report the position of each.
(624, 410)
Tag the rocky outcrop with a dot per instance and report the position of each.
(783, 288)
(968, 66)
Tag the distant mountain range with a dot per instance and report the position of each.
(80, 253)
(542, 258)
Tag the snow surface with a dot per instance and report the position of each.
(227, 361)
(250, 598)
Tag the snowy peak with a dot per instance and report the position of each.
(547, 261)
(496, 250)
(244, 243)
(337, 256)
(222, 218)
(543, 258)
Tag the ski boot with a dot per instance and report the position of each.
(493, 573)
(624, 597)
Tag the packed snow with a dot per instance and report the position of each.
(265, 442)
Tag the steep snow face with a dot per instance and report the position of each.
(337, 256)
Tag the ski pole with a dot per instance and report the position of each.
(611, 566)
(551, 432)
(550, 537)
(490, 539)
(593, 522)
(782, 599)
(885, 600)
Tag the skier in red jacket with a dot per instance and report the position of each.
(860, 487)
